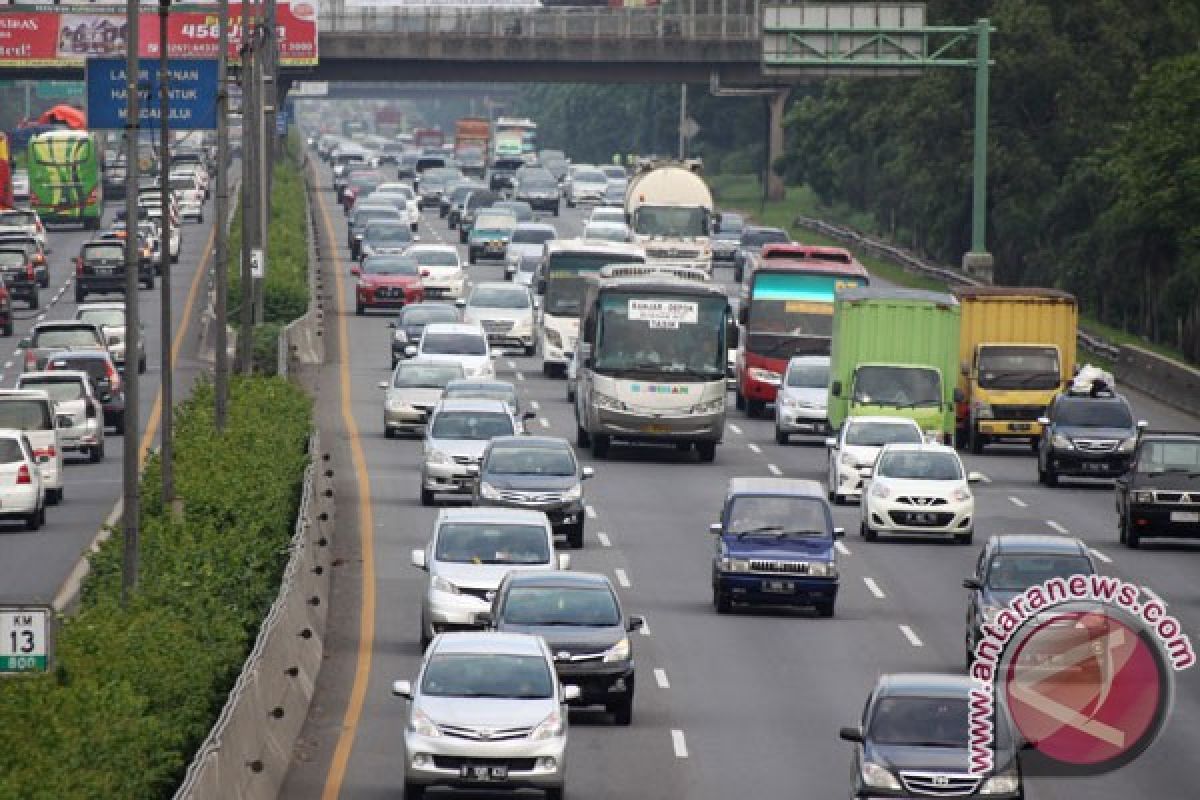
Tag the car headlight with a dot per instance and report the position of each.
(982, 410)
(709, 407)
(440, 584)
(400, 337)
(522, 325)
(436, 457)
(820, 569)
(1141, 496)
(880, 490)
(1127, 445)
(734, 564)
(1060, 442)
(395, 404)
(573, 494)
(601, 400)
(114, 338)
(488, 491)
(880, 777)
(764, 375)
(420, 724)
(618, 652)
(551, 727)
(1008, 783)
(789, 402)
(960, 495)
(848, 460)
(553, 337)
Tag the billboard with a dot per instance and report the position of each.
(66, 35)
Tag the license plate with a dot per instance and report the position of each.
(656, 429)
(1019, 426)
(473, 772)
(1097, 466)
(779, 587)
(1185, 516)
(922, 518)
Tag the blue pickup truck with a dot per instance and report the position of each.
(775, 546)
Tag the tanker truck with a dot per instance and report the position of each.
(670, 209)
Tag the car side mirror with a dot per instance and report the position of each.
(839, 533)
(974, 584)
(355, 270)
(402, 689)
(716, 528)
(410, 350)
(835, 388)
(587, 473)
(541, 286)
(564, 561)
(571, 693)
(635, 623)
(392, 324)
(854, 734)
(959, 396)
(460, 303)
(418, 559)
(831, 443)
(383, 384)
(974, 477)
(484, 618)
(424, 274)
(1043, 421)
(1142, 425)
(528, 415)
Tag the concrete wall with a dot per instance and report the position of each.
(1172, 382)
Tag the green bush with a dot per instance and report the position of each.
(136, 689)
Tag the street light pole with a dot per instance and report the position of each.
(221, 368)
(166, 451)
(250, 113)
(129, 488)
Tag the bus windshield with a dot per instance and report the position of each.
(565, 283)
(668, 221)
(64, 176)
(681, 336)
(795, 303)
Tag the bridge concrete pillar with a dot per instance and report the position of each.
(776, 104)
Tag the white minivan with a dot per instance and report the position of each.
(32, 411)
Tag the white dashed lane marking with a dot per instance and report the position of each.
(841, 548)
(520, 376)
(679, 743)
(1018, 502)
(535, 406)
(660, 677)
(735, 429)
(1102, 556)
(622, 578)
(754, 448)
(590, 511)
(874, 587)
(1056, 527)
(774, 470)
(545, 423)
(912, 637)
(602, 537)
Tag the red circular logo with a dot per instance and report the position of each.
(1086, 689)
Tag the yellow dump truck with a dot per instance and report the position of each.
(1016, 352)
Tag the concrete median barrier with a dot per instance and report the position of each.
(1174, 383)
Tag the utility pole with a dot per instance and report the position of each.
(129, 489)
(222, 212)
(166, 451)
(250, 116)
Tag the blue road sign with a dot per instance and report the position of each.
(193, 93)
(281, 122)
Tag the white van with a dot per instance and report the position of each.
(32, 411)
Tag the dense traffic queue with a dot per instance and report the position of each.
(649, 345)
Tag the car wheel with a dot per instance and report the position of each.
(547, 369)
(581, 437)
(964, 538)
(739, 401)
(781, 437)
(556, 211)
(707, 451)
(174, 258)
(34, 520)
(44, 280)
(427, 497)
(8, 329)
(721, 601)
(976, 440)
(570, 394)
(413, 791)
(80, 295)
(1122, 528)
(530, 349)
(149, 282)
(755, 408)
(556, 793)
(824, 608)
(388, 433)
(96, 454)
(622, 710)
(600, 443)
(1051, 478)
(359, 310)
(34, 300)
(462, 236)
(737, 273)
(54, 496)
(1133, 537)
(119, 425)
(867, 532)
(575, 536)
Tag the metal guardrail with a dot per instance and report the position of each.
(912, 263)
(247, 753)
(708, 20)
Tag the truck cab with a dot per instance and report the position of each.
(775, 546)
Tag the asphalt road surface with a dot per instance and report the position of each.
(744, 705)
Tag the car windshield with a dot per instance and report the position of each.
(112, 252)
(1092, 413)
(401, 265)
(423, 315)
(491, 543)
(25, 414)
(18, 218)
(538, 605)
(60, 390)
(899, 387)
(732, 223)
(530, 461)
(505, 394)
(104, 317)
(63, 338)
(758, 238)
(1169, 456)
(427, 376)
(499, 297)
(1017, 572)
(388, 233)
(370, 214)
(920, 722)
(495, 222)
(777, 515)
(608, 232)
(876, 434)
(435, 258)
(476, 426)
(454, 344)
(533, 235)
(487, 675)
(916, 465)
(808, 376)
(590, 176)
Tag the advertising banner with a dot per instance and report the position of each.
(65, 35)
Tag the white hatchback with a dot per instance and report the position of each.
(853, 451)
(919, 489)
(33, 412)
(22, 491)
(462, 343)
(441, 266)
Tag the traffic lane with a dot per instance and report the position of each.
(757, 692)
(393, 468)
(33, 565)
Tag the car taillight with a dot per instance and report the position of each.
(30, 360)
(79, 266)
(93, 196)
(114, 379)
(48, 451)
(29, 273)
(23, 476)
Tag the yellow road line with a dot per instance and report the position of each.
(176, 344)
(366, 529)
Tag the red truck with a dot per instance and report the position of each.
(471, 138)
(429, 138)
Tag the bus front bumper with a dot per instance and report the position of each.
(633, 426)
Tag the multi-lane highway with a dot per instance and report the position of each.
(740, 705)
(34, 565)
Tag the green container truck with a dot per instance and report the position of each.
(895, 353)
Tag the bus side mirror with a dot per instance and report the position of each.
(835, 388)
(959, 397)
(742, 316)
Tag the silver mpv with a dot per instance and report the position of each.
(486, 712)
